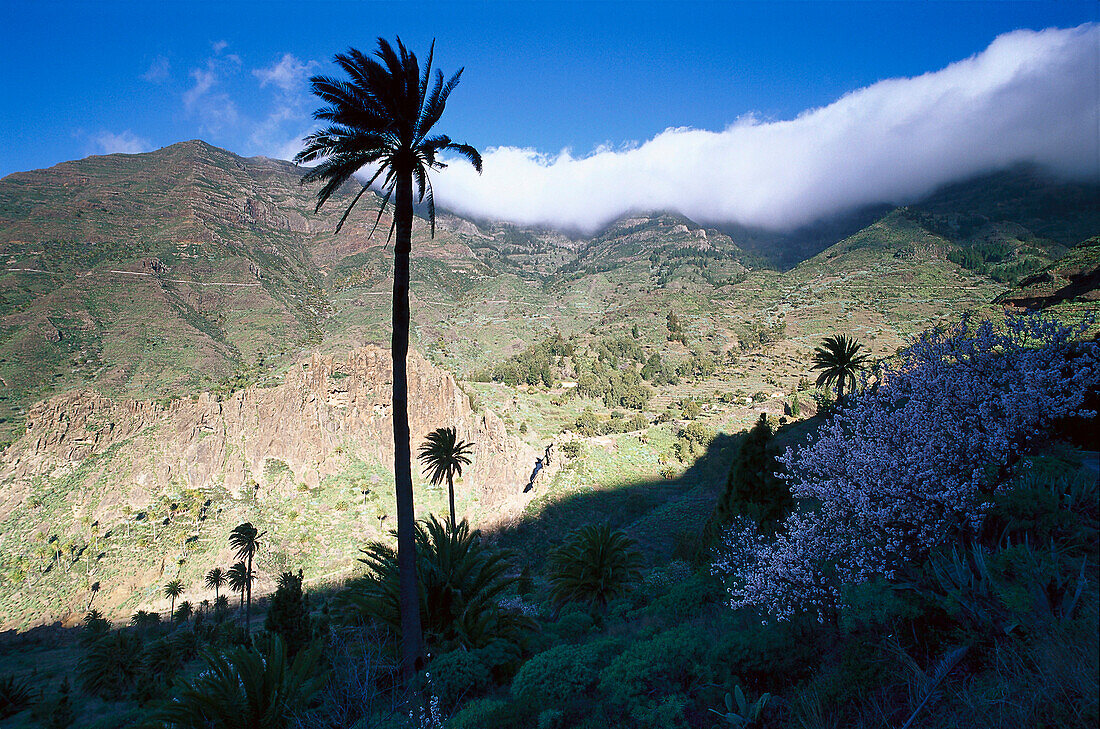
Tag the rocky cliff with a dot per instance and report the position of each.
(326, 410)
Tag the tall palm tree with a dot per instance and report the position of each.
(239, 578)
(246, 540)
(172, 590)
(215, 578)
(443, 456)
(839, 360)
(380, 118)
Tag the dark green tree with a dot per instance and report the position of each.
(56, 714)
(752, 488)
(184, 612)
(443, 456)
(288, 613)
(839, 360)
(245, 538)
(595, 565)
(381, 118)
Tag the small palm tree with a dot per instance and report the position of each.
(462, 580)
(173, 590)
(183, 612)
(239, 579)
(215, 578)
(443, 456)
(594, 566)
(839, 360)
(221, 605)
(246, 540)
(381, 118)
(246, 688)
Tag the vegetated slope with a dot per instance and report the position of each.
(165, 275)
(1072, 282)
(127, 494)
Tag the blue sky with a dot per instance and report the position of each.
(84, 78)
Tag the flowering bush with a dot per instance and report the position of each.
(913, 459)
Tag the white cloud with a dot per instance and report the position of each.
(289, 74)
(158, 70)
(214, 109)
(1031, 96)
(280, 134)
(127, 142)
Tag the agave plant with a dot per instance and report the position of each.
(245, 688)
(594, 566)
(461, 582)
(746, 714)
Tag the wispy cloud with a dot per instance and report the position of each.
(158, 71)
(126, 142)
(1031, 96)
(213, 108)
(279, 135)
(289, 73)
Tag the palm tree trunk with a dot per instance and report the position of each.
(402, 466)
(248, 587)
(451, 496)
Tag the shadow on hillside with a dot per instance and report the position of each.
(663, 515)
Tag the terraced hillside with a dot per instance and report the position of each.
(149, 302)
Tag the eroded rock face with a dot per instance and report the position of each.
(326, 411)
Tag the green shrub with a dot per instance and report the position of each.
(15, 695)
(561, 675)
(572, 626)
(483, 713)
(668, 663)
(767, 657)
(457, 676)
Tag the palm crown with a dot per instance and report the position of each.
(172, 590)
(380, 119)
(839, 359)
(443, 456)
(239, 578)
(215, 578)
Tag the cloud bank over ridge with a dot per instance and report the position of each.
(1031, 96)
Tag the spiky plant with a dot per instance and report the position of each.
(245, 688)
(443, 456)
(595, 565)
(380, 118)
(461, 581)
(15, 695)
(839, 360)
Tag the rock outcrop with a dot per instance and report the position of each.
(326, 411)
